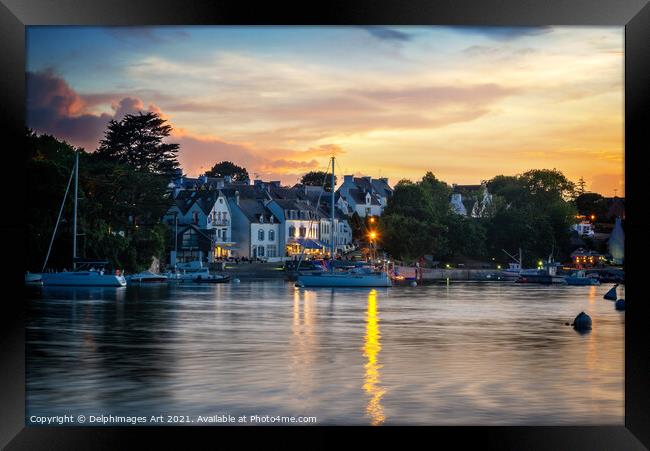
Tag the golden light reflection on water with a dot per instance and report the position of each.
(303, 343)
(371, 349)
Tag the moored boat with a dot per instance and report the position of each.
(146, 277)
(355, 277)
(578, 278)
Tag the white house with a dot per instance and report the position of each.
(208, 212)
(256, 229)
(300, 225)
(363, 195)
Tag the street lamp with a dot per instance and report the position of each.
(372, 235)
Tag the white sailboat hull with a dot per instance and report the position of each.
(345, 280)
(83, 279)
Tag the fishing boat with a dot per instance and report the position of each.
(579, 278)
(355, 277)
(85, 272)
(146, 277)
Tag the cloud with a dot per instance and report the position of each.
(503, 33)
(53, 107)
(143, 35)
(199, 153)
(387, 34)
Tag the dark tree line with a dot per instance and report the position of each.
(122, 195)
(534, 211)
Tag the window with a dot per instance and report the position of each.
(292, 231)
(195, 217)
(303, 231)
(271, 236)
(271, 251)
(260, 235)
(260, 251)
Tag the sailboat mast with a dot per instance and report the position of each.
(74, 224)
(333, 244)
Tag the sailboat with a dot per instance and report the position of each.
(86, 272)
(356, 277)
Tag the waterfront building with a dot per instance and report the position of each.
(208, 213)
(213, 218)
(583, 258)
(300, 226)
(256, 229)
(363, 195)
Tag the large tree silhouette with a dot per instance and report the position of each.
(138, 140)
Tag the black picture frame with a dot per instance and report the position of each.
(634, 15)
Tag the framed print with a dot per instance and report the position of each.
(362, 217)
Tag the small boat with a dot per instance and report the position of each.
(611, 294)
(211, 278)
(33, 278)
(86, 273)
(578, 278)
(146, 277)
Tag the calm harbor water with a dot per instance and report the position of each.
(466, 353)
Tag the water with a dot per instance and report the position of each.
(467, 353)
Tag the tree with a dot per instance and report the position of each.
(549, 182)
(316, 178)
(228, 168)
(119, 208)
(591, 203)
(137, 140)
(580, 187)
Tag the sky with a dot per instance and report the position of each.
(466, 103)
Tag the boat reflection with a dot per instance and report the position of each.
(371, 349)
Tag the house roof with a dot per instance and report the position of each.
(254, 208)
(205, 199)
(359, 197)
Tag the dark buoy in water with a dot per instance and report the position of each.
(611, 294)
(620, 304)
(582, 322)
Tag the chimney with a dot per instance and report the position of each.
(227, 178)
(203, 179)
(348, 179)
(237, 197)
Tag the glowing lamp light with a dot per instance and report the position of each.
(373, 235)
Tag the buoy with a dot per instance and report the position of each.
(582, 322)
(620, 304)
(611, 294)
(414, 284)
(235, 280)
